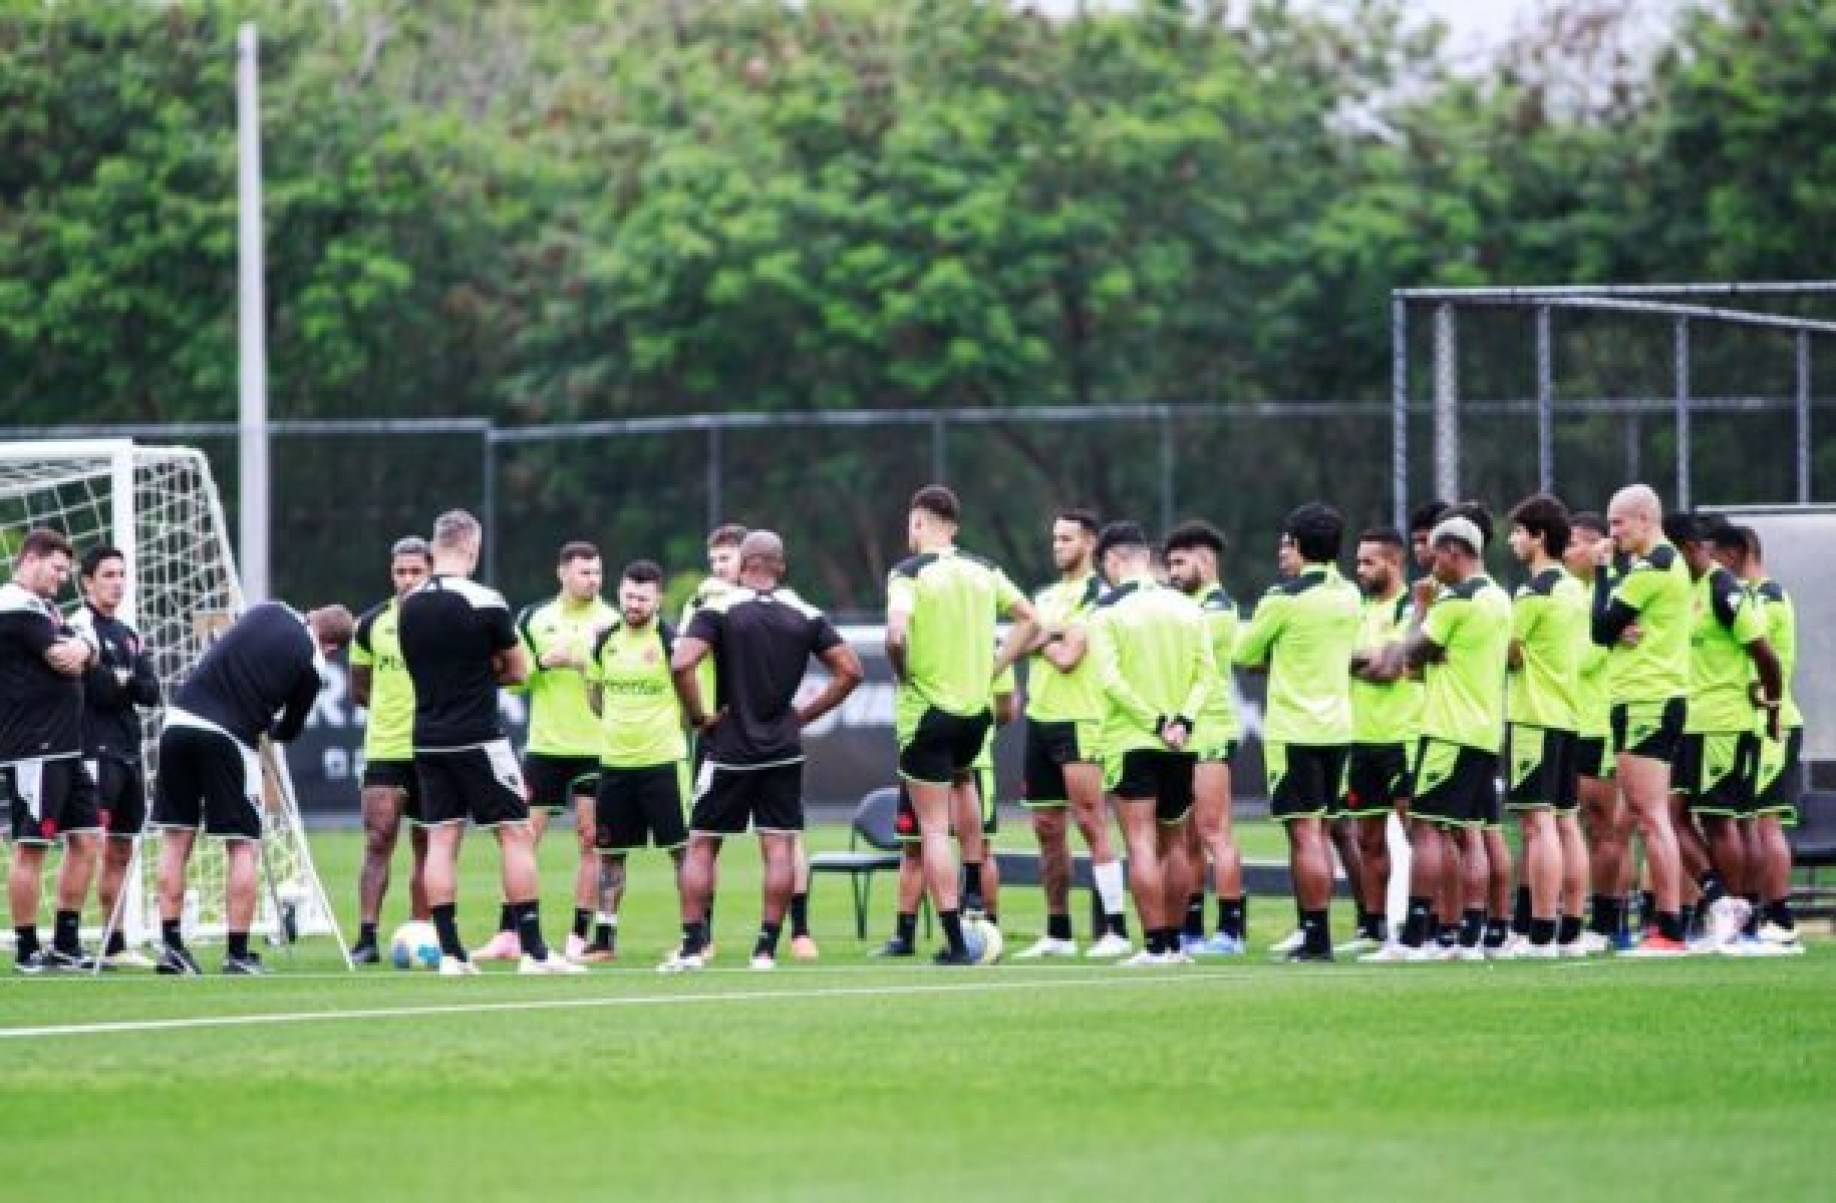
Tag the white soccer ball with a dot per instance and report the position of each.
(983, 939)
(415, 945)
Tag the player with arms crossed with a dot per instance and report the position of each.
(761, 636)
(941, 608)
(42, 778)
(1642, 616)
(380, 684)
(1460, 643)
(272, 661)
(1153, 659)
(1303, 633)
(1194, 552)
(643, 757)
(1064, 769)
(1606, 821)
(460, 644)
(119, 684)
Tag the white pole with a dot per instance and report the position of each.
(252, 419)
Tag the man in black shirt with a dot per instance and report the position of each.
(48, 795)
(459, 644)
(120, 682)
(761, 636)
(270, 662)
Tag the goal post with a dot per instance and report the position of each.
(161, 507)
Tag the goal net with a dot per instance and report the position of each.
(160, 506)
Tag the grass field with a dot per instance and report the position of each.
(848, 1080)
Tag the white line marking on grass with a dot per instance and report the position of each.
(653, 1000)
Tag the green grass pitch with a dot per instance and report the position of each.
(850, 1080)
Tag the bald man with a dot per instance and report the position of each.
(1642, 616)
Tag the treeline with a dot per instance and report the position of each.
(576, 209)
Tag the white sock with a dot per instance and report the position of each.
(1109, 886)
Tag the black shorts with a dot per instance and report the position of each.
(1453, 785)
(398, 775)
(634, 808)
(1376, 779)
(1159, 776)
(551, 782)
(1594, 757)
(49, 799)
(982, 781)
(1049, 748)
(1781, 779)
(1652, 730)
(482, 784)
(943, 746)
(121, 795)
(728, 800)
(1544, 764)
(1717, 771)
(208, 781)
(1305, 780)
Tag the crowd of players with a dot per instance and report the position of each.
(1635, 684)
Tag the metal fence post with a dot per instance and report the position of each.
(715, 455)
(1446, 405)
(488, 503)
(1166, 470)
(1804, 417)
(939, 448)
(1545, 403)
(1399, 412)
(1682, 371)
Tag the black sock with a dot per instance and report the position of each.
(238, 944)
(1058, 927)
(64, 931)
(1316, 932)
(1420, 917)
(1779, 911)
(446, 923)
(905, 929)
(1230, 917)
(1542, 931)
(169, 934)
(1607, 910)
(1370, 924)
(1520, 911)
(583, 919)
(1497, 931)
(800, 914)
(1118, 924)
(1195, 916)
(117, 943)
(952, 924)
(972, 885)
(25, 940)
(1670, 925)
(1647, 908)
(1569, 930)
(366, 935)
(1751, 928)
(694, 937)
(529, 930)
(1472, 927)
(707, 918)
(1713, 888)
(1687, 916)
(767, 943)
(506, 917)
(605, 936)
(1156, 942)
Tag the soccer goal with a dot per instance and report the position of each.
(160, 506)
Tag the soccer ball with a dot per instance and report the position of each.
(983, 939)
(415, 945)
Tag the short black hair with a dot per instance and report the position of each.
(1318, 532)
(1120, 534)
(1424, 516)
(642, 572)
(1751, 538)
(1541, 514)
(1084, 518)
(94, 558)
(1681, 527)
(1589, 520)
(577, 549)
(728, 534)
(938, 502)
(1386, 536)
(1189, 535)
